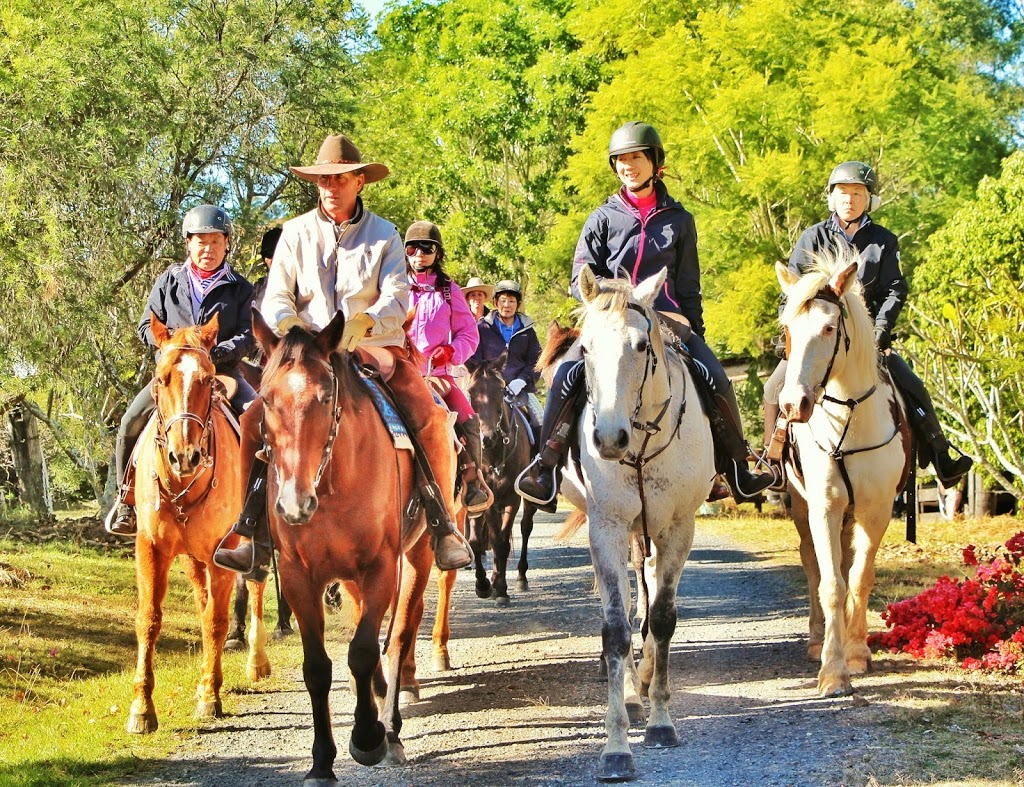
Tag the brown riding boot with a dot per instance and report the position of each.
(476, 495)
(426, 419)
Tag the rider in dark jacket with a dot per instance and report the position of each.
(852, 195)
(184, 295)
(522, 347)
(635, 234)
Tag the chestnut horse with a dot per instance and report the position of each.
(852, 447)
(506, 451)
(338, 490)
(188, 492)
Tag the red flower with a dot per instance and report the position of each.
(970, 558)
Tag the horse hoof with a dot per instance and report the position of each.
(483, 589)
(282, 633)
(616, 768)
(502, 601)
(636, 713)
(258, 672)
(838, 687)
(441, 663)
(320, 781)
(408, 695)
(858, 666)
(661, 737)
(235, 644)
(370, 756)
(209, 710)
(522, 585)
(142, 723)
(814, 652)
(395, 757)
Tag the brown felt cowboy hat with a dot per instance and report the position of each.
(338, 155)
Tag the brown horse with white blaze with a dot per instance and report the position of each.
(338, 490)
(188, 491)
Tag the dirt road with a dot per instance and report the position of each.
(524, 703)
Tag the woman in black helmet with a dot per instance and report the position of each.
(636, 233)
(187, 294)
(852, 194)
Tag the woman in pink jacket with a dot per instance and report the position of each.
(444, 330)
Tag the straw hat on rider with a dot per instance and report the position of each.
(337, 155)
(476, 284)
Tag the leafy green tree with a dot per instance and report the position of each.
(967, 316)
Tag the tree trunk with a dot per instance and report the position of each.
(29, 462)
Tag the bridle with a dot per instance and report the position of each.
(332, 435)
(836, 452)
(506, 435)
(207, 445)
(641, 458)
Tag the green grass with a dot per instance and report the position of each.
(67, 657)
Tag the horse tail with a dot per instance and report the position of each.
(572, 523)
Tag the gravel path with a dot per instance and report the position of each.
(524, 703)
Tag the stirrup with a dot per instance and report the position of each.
(762, 462)
(738, 492)
(536, 500)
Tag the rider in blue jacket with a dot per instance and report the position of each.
(184, 295)
(636, 233)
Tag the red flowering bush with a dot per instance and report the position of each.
(979, 621)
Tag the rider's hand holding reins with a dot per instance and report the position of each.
(291, 322)
(356, 327)
(442, 355)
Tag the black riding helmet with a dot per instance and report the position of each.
(205, 218)
(425, 232)
(634, 136)
(853, 172)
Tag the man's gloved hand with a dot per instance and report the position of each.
(882, 339)
(291, 322)
(356, 328)
(516, 387)
(442, 355)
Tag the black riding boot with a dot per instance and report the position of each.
(120, 520)
(476, 495)
(251, 558)
(732, 452)
(933, 447)
(538, 483)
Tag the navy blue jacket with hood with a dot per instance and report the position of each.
(523, 349)
(615, 243)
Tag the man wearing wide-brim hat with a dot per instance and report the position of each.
(342, 257)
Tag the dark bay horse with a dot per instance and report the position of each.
(188, 491)
(506, 451)
(337, 492)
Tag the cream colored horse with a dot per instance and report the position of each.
(849, 430)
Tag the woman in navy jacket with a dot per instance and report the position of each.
(636, 233)
(188, 294)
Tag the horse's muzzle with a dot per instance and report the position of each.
(296, 509)
(184, 461)
(797, 408)
(611, 444)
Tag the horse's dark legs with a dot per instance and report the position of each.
(502, 548)
(526, 528)
(478, 530)
(236, 631)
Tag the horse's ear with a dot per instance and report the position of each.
(209, 330)
(786, 277)
(267, 339)
(554, 328)
(497, 364)
(160, 333)
(646, 292)
(472, 364)
(587, 284)
(329, 338)
(841, 281)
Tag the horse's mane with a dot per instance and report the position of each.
(863, 352)
(614, 296)
(558, 343)
(182, 337)
(291, 349)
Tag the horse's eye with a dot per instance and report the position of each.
(641, 346)
(829, 330)
(323, 397)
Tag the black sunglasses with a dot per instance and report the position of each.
(425, 246)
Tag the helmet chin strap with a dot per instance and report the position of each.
(642, 186)
(845, 225)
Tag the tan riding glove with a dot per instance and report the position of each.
(356, 327)
(291, 322)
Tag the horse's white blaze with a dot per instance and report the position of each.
(188, 368)
(297, 382)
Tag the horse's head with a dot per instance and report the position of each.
(620, 341)
(183, 388)
(304, 385)
(560, 342)
(486, 390)
(829, 332)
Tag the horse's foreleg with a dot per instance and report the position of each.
(258, 666)
(151, 568)
(864, 542)
(218, 583)
(816, 617)
(526, 528)
(502, 545)
(609, 551)
(661, 730)
(442, 622)
(478, 527)
(833, 676)
(368, 744)
(236, 628)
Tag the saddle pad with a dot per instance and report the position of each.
(391, 419)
